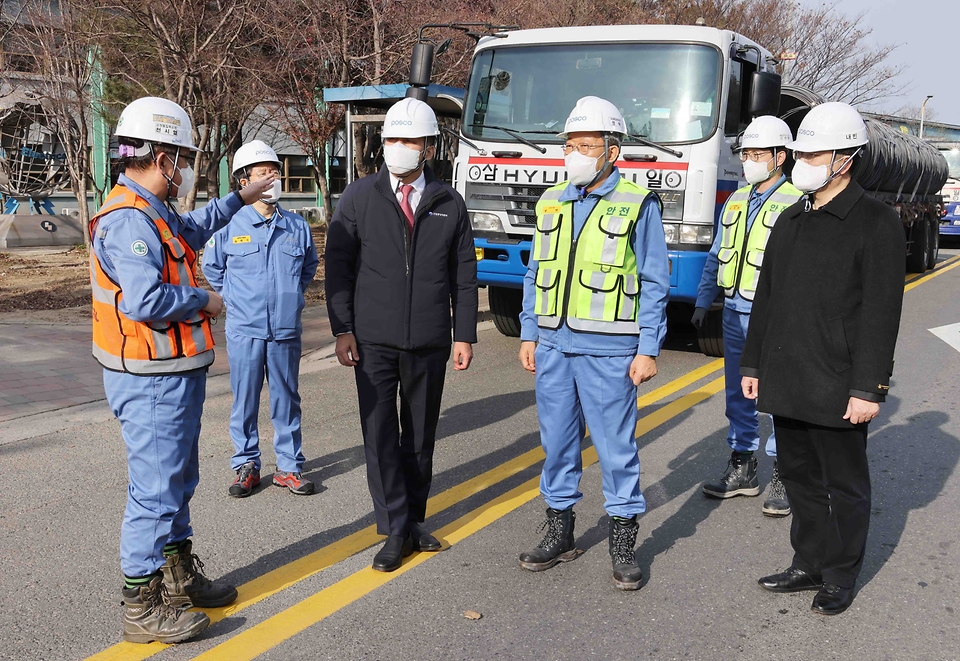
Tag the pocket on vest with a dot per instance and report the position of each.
(608, 247)
(548, 289)
(547, 237)
(629, 294)
(598, 295)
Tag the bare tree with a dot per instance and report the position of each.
(62, 39)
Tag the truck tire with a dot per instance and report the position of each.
(934, 244)
(710, 335)
(919, 248)
(505, 306)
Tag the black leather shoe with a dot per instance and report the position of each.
(422, 540)
(832, 600)
(791, 580)
(393, 552)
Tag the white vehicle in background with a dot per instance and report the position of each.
(950, 221)
(686, 93)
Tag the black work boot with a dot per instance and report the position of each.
(623, 538)
(186, 585)
(740, 478)
(776, 503)
(148, 616)
(557, 544)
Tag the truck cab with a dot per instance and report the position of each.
(950, 220)
(689, 89)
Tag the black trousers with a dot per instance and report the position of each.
(827, 478)
(399, 444)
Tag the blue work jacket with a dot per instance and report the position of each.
(128, 246)
(653, 267)
(262, 267)
(709, 288)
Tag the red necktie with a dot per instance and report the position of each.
(405, 191)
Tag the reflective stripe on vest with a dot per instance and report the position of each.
(147, 348)
(590, 283)
(741, 253)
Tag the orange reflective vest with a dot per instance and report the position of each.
(147, 348)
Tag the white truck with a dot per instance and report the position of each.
(686, 93)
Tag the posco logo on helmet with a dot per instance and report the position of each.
(806, 132)
(401, 122)
(578, 118)
(751, 136)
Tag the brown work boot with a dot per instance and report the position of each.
(148, 616)
(187, 586)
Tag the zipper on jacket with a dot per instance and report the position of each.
(566, 289)
(176, 335)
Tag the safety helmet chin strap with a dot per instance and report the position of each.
(176, 161)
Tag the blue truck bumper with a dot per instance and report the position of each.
(951, 227)
(504, 263)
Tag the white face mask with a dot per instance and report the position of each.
(755, 172)
(581, 169)
(187, 180)
(272, 196)
(810, 178)
(401, 160)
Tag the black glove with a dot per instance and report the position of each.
(699, 314)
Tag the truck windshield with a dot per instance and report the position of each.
(953, 161)
(668, 93)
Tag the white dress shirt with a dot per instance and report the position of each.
(415, 194)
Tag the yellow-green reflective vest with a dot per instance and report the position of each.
(741, 252)
(589, 281)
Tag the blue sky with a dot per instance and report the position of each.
(927, 31)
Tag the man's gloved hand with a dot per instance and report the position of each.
(699, 314)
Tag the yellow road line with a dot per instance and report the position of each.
(948, 265)
(914, 277)
(261, 637)
(279, 579)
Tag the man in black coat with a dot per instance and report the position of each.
(819, 352)
(399, 255)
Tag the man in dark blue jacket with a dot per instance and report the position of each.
(399, 255)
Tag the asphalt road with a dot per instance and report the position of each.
(302, 563)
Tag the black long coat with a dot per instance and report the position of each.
(827, 309)
(392, 289)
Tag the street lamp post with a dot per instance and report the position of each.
(923, 110)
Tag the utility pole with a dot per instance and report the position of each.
(923, 110)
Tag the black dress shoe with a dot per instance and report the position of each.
(393, 552)
(422, 540)
(832, 600)
(791, 580)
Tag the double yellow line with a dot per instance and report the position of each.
(254, 641)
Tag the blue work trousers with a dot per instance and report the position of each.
(744, 434)
(573, 389)
(252, 360)
(160, 422)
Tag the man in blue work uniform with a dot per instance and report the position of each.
(151, 332)
(262, 263)
(733, 268)
(594, 298)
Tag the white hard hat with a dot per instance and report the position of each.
(765, 133)
(153, 119)
(253, 152)
(594, 114)
(410, 118)
(830, 126)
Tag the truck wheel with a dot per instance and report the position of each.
(505, 306)
(710, 335)
(919, 248)
(934, 244)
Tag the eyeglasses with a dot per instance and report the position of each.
(583, 148)
(755, 156)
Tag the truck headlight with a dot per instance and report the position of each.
(696, 234)
(671, 232)
(486, 222)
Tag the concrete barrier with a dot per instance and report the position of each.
(24, 231)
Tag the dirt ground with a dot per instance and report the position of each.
(54, 283)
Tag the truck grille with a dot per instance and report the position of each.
(520, 203)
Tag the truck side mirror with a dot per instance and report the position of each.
(764, 94)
